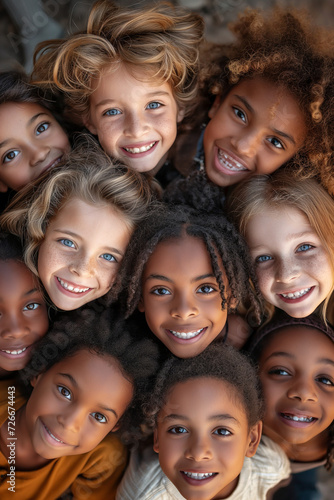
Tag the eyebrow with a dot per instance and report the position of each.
(30, 122)
(150, 95)
(193, 280)
(222, 416)
(77, 236)
(275, 130)
(74, 383)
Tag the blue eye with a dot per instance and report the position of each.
(177, 430)
(276, 142)
(112, 112)
(240, 114)
(99, 417)
(222, 432)
(42, 128)
(206, 289)
(263, 258)
(161, 291)
(31, 307)
(108, 257)
(64, 391)
(67, 243)
(304, 247)
(10, 155)
(154, 105)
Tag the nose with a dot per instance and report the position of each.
(247, 143)
(71, 418)
(135, 125)
(38, 153)
(286, 271)
(13, 327)
(198, 448)
(303, 389)
(82, 265)
(183, 306)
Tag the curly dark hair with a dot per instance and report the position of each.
(217, 361)
(284, 47)
(221, 240)
(97, 329)
(10, 247)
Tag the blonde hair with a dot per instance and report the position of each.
(162, 41)
(286, 189)
(88, 174)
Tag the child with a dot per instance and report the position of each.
(296, 367)
(84, 377)
(187, 271)
(288, 224)
(206, 413)
(31, 139)
(131, 77)
(77, 224)
(23, 312)
(271, 92)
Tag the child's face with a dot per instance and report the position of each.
(134, 119)
(292, 265)
(31, 141)
(181, 297)
(81, 252)
(297, 375)
(23, 315)
(256, 128)
(75, 404)
(202, 438)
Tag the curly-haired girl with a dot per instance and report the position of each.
(130, 77)
(187, 271)
(271, 97)
(76, 222)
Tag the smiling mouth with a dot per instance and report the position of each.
(142, 149)
(295, 418)
(71, 288)
(199, 476)
(296, 295)
(52, 435)
(187, 335)
(17, 351)
(229, 162)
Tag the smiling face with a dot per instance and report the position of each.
(81, 252)
(256, 128)
(31, 141)
(134, 119)
(202, 438)
(75, 404)
(297, 375)
(181, 297)
(292, 264)
(23, 315)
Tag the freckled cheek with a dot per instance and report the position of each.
(265, 280)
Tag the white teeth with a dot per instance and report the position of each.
(140, 150)
(71, 288)
(229, 162)
(296, 295)
(54, 437)
(19, 351)
(198, 475)
(186, 336)
(298, 419)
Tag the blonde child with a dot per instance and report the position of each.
(188, 270)
(288, 223)
(76, 224)
(84, 377)
(130, 77)
(206, 415)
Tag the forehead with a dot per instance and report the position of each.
(21, 111)
(14, 276)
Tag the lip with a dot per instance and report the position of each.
(15, 356)
(52, 438)
(70, 293)
(223, 158)
(197, 482)
(138, 146)
(188, 330)
(296, 413)
(298, 299)
(52, 164)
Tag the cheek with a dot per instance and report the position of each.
(265, 279)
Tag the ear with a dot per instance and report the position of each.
(156, 441)
(115, 428)
(88, 124)
(34, 380)
(180, 114)
(141, 306)
(215, 106)
(3, 187)
(254, 439)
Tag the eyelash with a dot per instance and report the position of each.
(62, 241)
(159, 291)
(159, 105)
(226, 432)
(28, 308)
(95, 413)
(62, 389)
(113, 259)
(47, 124)
(109, 112)
(177, 430)
(5, 158)
(210, 287)
(299, 249)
